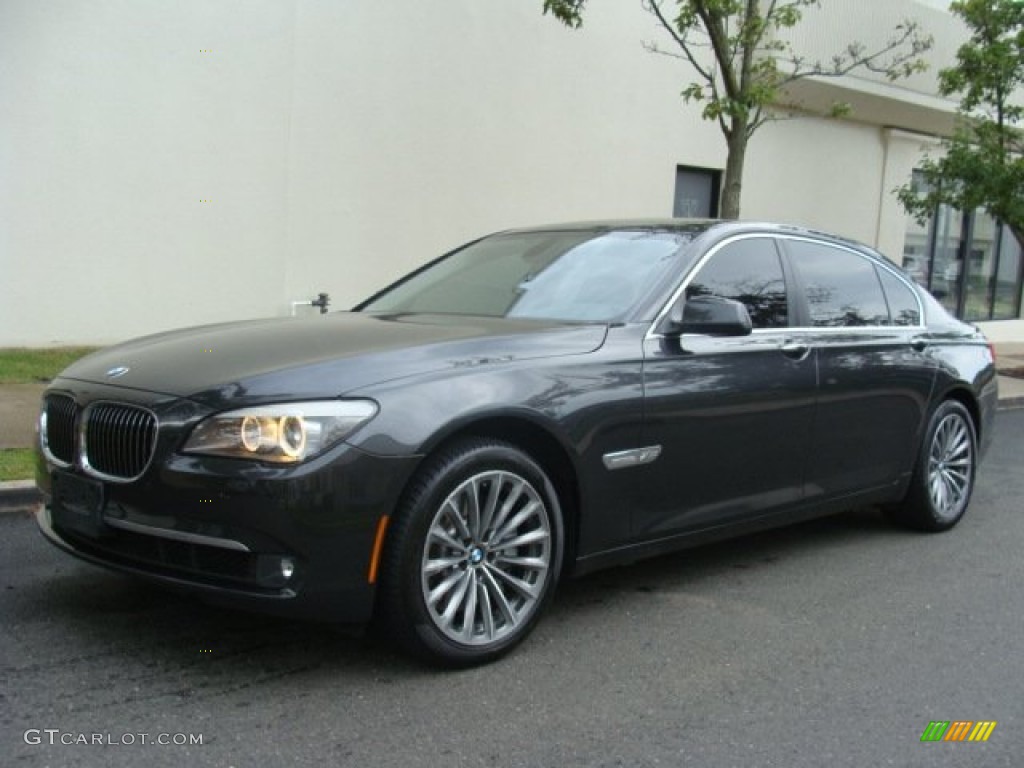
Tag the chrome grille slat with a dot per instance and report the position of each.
(110, 423)
(136, 430)
(60, 427)
(138, 444)
(129, 423)
(97, 425)
(59, 437)
(117, 427)
(137, 427)
(119, 440)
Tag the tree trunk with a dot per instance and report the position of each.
(732, 186)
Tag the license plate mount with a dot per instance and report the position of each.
(77, 504)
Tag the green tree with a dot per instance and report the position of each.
(983, 164)
(751, 63)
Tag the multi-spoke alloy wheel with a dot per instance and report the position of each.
(487, 558)
(944, 475)
(951, 466)
(473, 555)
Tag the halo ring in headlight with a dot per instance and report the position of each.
(251, 434)
(292, 435)
(279, 432)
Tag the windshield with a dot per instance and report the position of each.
(570, 276)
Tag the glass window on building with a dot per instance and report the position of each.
(970, 262)
(1008, 289)
(981, 267)
(917, 243)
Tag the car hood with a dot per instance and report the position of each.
(322, 356)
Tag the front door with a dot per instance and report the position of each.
(732, 417)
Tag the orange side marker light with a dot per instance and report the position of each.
(378, 546)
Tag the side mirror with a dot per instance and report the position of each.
(708, 316)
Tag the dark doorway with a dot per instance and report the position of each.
(697, 191)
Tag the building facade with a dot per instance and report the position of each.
(171, 164)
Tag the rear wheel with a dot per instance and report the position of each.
(944, 474)
(474, 554)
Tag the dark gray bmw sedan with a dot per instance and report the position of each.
(535, 404)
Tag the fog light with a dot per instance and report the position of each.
(275, 571)
(287, 567)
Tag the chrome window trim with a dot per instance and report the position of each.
(873, 262)
(836, 330)
(83, 453)
(816, 328)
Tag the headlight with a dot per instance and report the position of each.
(285, 433)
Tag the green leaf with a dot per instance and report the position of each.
(569, 12)
(982, 166)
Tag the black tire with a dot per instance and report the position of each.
(943, 480)
(461, 584)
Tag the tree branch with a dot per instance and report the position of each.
(681, 41)
(854, 58)
(720, 44)
(749, 44)
(759, 118)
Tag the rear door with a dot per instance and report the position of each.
(875, 375)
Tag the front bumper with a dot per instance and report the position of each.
(293, 541)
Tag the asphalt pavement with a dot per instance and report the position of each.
(832, 643)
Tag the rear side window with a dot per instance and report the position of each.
(748, 271)
(842, 289)
(903, 304)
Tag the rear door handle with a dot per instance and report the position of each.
(918, 344)
(795, 350)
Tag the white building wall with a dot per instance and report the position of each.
(795, 175)
(873, 23)
(116, 128)
(167, 164)
(418, 126)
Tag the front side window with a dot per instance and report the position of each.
(842, 288)
(748, 271)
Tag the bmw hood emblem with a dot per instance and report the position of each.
(117, 372)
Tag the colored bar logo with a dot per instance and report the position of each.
(958, 730)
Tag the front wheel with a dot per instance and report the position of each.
(474, 554)
(944, 474)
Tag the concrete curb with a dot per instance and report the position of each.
(19, 494)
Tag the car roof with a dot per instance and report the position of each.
(690, 226)
(608, 225)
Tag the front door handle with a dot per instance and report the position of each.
(795, 350)
(918, 344)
